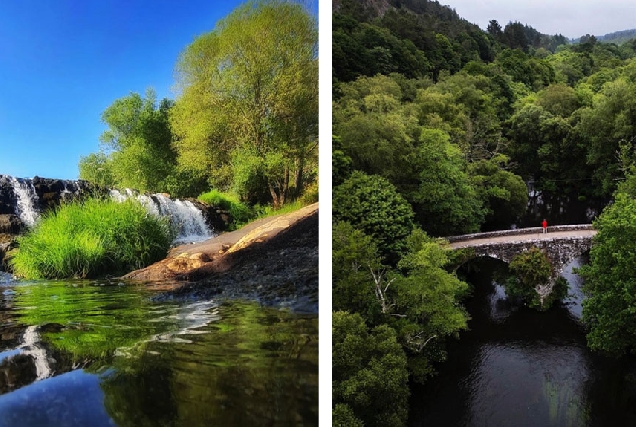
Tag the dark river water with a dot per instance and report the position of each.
(106, 354)
(520, 367)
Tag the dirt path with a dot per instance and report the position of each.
(523, 238)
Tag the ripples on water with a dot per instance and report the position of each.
(520, 367)
(101, 354)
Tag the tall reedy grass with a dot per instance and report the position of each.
(91, 238)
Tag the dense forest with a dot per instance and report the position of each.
(441, 128)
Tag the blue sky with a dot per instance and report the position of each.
(62, 62)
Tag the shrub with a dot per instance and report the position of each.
(240, 212)
(528, 270)
(310, 195)
(92, 238)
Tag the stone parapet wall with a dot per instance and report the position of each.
(517, 232)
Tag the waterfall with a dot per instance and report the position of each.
(188, 219)
(26, 197)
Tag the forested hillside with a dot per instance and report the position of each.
(438, 128)
(617, 37)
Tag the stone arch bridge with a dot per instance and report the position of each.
(562, 244)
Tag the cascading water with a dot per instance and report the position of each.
(188, 219)
(26, 198)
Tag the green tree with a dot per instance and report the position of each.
(420, 301)
(372, 204)
(445, 201)
(97, 168)
(248, 106)
(427, 306)
(358, 277)
(528, 270)
(610, 279)
(504, 194)
(369, 374)
(136, 148)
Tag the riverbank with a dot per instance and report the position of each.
(273, 260)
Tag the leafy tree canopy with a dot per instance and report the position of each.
(247, 113)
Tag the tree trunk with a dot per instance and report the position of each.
(299, 178)
(275, 197)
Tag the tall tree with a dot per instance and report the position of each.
(249, 99)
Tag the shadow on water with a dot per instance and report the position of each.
(520, 367)
(100, 354)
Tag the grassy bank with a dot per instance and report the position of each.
(90, 239)
(242, 214)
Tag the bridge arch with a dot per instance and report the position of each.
(561, 245)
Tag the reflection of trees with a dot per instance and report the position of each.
(173, 364)
(94, 320)
(254, 367)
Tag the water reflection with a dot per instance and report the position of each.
(520, 367)
(77, 353)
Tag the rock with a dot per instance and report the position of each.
(7, 243)
(187, 262)
(200, 256)
(10, 224)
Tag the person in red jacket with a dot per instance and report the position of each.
(545, 226)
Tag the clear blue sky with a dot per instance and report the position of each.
(62, 62)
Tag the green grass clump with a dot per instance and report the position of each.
(239, 211)
(91, 238)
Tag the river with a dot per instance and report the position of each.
(521, 367)
(99, 353)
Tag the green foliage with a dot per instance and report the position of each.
(533, 72)
(136, 148)
(528, 270)
(247, 114)
(239, 211)
(91, 238)
(421, 303)
(96, 168)
(372, 204)
(369, 374)
(504, 194)
(445, 202)
(340, 163)
(610, 279)
(355, 259)
(427, 299)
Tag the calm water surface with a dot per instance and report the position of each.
(103, 354)
(521, 367)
